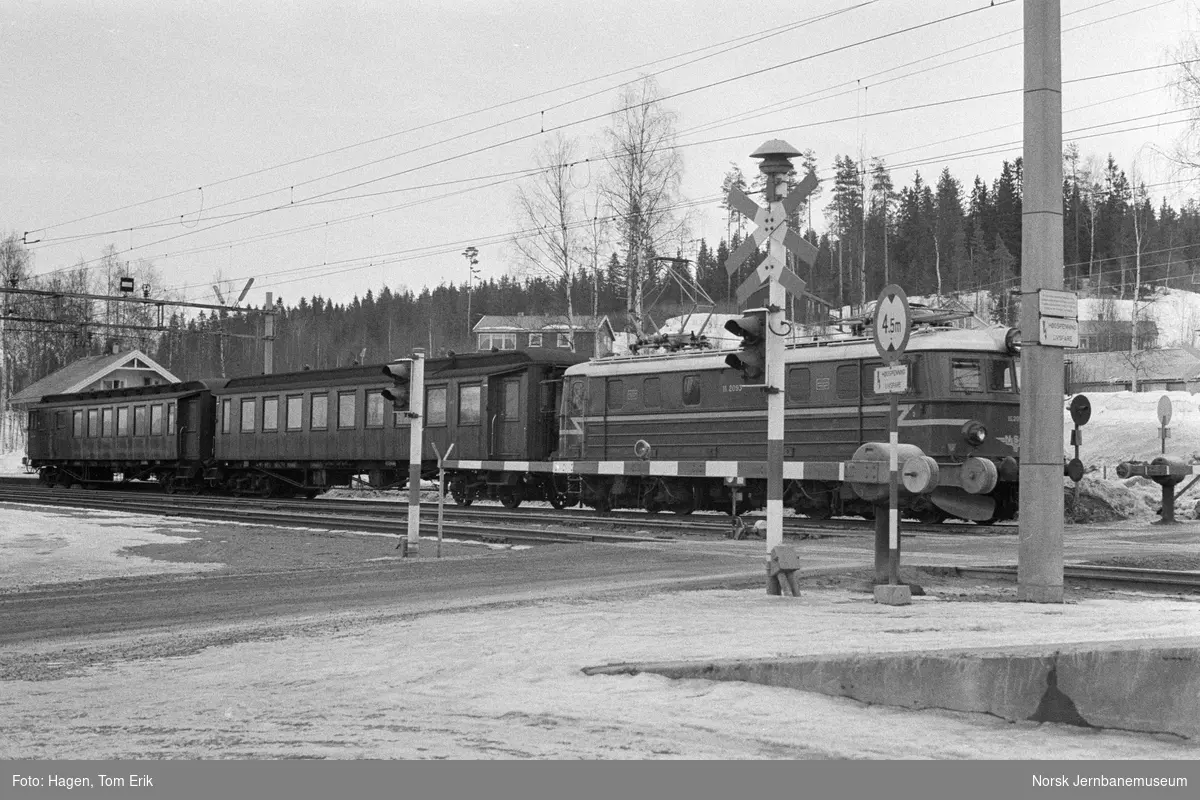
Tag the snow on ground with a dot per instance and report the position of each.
(62, 547)
(1175, 312)
(506, 682)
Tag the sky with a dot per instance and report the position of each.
(331, 149)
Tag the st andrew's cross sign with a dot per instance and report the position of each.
(770, 223)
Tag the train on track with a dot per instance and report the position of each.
(304, 432)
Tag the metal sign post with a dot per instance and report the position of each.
(893, 325)
(771, 225)
(441, 457)
(1164, 417)
(416, 446)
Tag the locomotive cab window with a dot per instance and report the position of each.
(469, 409)
(248, 415)
(435, 406)
(270, 413)
(319, 412)
(1001, 376)
(345, 410)
(965, 375)
(691, 390)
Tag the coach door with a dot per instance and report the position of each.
(190, 428)
(507, 421)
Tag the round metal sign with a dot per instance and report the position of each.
(1081, 409)
(893, 323)
(1164, 410)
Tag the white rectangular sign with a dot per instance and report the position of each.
(891, 380)
(1052, 303)
(1056, 332)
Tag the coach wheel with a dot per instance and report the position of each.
(46, 476)
(511, 498)
(311, 493)
(264, 486)
(463, 495)
(168, 484)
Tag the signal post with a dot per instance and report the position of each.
(408, 397)
(772, 224)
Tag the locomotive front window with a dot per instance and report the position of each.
(295, 410)
(435, 406)
(123, 421)
(375, 413)
(156, 420)
(139, 420)
(320, 412)
(226, 415)
(77, 424)
(691, 390)
(345, 409)
(270, 413)
(248, 415)
(966, 375)
(1001, 376)
(468, 404)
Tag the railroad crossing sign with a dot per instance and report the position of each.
(893, 323)
(770, 223)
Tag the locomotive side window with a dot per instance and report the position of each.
(77, 424)
(93, 423)
(123, 421)
(345, 411)
(106, 422)
(615, 395)
(170, 419)
(295, 412)
(156, 419)
(139, 420)
(270, 413)
(691, 390)
(435, 406)
(847, 382)
(468, 404)
(652, 392)
(799, 385)
(965, 375)
(226, 415)
(248, 415)
(1000, 377)
(320, 412)
(375, 415)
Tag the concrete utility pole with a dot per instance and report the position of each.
(269, 335)
(1040, 549)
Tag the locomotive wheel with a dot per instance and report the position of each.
(558, 500)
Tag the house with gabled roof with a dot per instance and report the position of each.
(108, 371)
(592, 336)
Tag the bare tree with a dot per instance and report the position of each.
(644, 175)
(545, 207)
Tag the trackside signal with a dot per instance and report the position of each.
(401, 392)
(751, 359)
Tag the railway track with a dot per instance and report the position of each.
(1123, 577)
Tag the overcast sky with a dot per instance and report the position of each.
(376, 141)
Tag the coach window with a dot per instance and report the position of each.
(375, 409)
(847, 382)
(93, 423)
(139, 421)
(345, 410)
(156, 419)
(652, 392)
(247, 409)
(616, 395)
(468, 404)
(435, 406)
(77, 424)
(270, 413)
(123, 421)
(799, 385)
(106, 422)
(691, 390)
(965, 375)
(170, 419)
(319, 412)
(295, 410)
(226, 415)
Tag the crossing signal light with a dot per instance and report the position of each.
(751, 359)
(400, 393)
